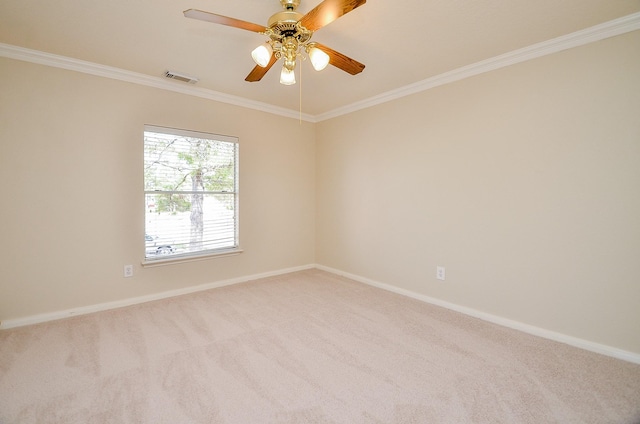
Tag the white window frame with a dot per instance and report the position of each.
(176, 254)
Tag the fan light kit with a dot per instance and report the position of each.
(290, 35)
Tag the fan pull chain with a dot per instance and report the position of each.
(300, 99)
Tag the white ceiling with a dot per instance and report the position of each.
(400, 42)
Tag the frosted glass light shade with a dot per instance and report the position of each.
(287, 77)
(319, 59)
(262, 54)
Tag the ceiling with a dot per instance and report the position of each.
(400, 42)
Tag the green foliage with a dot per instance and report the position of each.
(172, 203)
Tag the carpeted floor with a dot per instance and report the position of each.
(307, 347)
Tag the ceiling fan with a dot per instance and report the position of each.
(289, 35)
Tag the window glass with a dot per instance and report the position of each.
(191, 193)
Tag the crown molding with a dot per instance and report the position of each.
(63, 62)
(599, 32)
(595, 33)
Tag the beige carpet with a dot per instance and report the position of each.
(307, 347)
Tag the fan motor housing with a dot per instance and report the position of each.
(287, 18)
(285, 24)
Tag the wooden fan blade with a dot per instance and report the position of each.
(327, 12)
(222, 20)
(341, 61)
(258, 72)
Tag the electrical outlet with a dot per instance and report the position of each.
(440, 272)
(128, 271)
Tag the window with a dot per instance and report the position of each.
(190, 193)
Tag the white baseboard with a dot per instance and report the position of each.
(516, 325)
(526, 328)
(40, 318)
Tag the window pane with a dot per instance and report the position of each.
(198, 224)
(178, 163)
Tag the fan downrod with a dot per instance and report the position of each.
(290, 4)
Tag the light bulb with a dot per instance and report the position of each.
(262, 54)
(319, 59)
(287, 77)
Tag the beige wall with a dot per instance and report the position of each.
(71, 173)
(523, 182)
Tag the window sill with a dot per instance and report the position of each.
(148, 263)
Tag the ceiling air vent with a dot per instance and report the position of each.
(181, 77)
